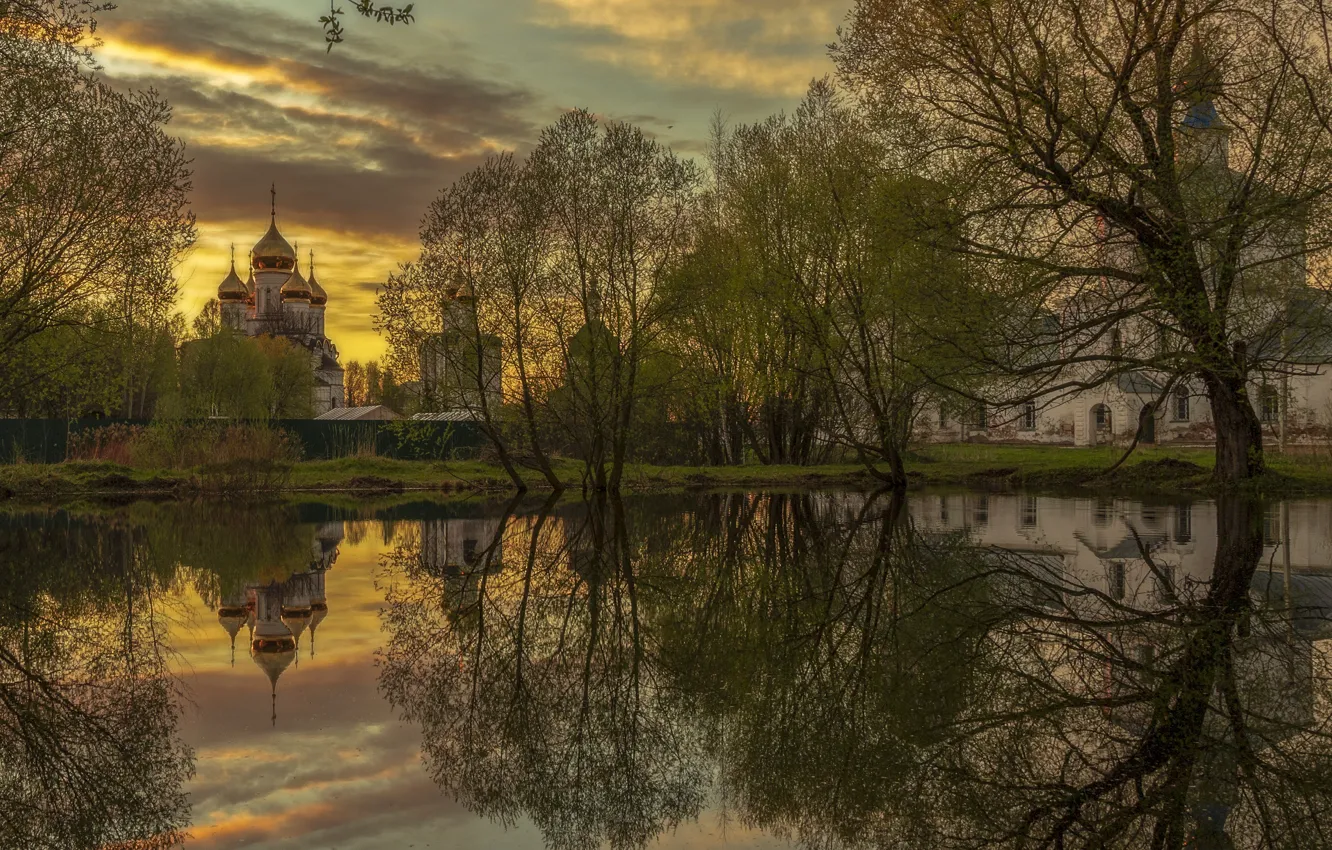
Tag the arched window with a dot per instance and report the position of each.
(1181, 403)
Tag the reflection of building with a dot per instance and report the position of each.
(279, 613)
(462, 551)
(1136, 557)
(278, 301)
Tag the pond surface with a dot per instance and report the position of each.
(740, 670)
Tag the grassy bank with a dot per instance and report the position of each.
(1159, 471)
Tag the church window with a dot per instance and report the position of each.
(1028, 421)
(1271, 527)
(1181, 404)
(980, 512)
(1118, 584)
(1104, 511)
(1102, 417)
(1271, 404)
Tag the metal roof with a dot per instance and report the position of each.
(374, 411)
(448, 416)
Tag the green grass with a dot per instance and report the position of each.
(1049, 468)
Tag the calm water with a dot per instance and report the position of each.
(828, 669)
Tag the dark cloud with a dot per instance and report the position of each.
(354, 142)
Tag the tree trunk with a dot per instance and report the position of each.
(1239, 433)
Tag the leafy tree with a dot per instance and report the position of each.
(290, 374)
(93, 218)
(209, 321)
(374, 383)
(840, 245)
(355, 384)
(225, 375)
(561, 262)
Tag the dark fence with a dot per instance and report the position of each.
(47, 440)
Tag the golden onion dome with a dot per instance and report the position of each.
(273, 253)
(295, 289)
(249, 288)
(232, 287)
(318, 297)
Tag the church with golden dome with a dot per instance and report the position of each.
(277, 300)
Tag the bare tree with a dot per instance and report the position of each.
(483, 247)
(618, 206)
(1141, 185)
(553, 268)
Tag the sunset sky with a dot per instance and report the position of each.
(359, 140)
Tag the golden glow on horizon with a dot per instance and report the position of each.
(344, 263)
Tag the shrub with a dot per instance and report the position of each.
(112, 443)
(178, 445)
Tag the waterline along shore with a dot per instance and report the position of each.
(1148, 472)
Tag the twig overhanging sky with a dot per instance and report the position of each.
(359, 140)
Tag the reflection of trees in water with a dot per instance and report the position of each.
(88, 748)
(533, 683)
(851, 681)
(1184, 721)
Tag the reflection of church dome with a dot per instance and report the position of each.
(318, 611)
(273, 655)
(233, 619)
(296, 619)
